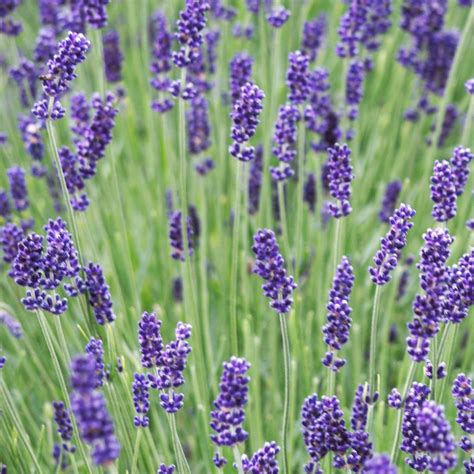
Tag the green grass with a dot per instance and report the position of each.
(125, 229)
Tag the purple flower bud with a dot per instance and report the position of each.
(255, 181)
(95, 349)
(198, 127)
(443, 192)
(313, 36)
(297, 77)
(19, 194)
(379, 464)
(229, 413)
(354, 89)
(240, 73)
(391, 246)
(164, 469)
(11, 324)
(469, 84)
(264, 460)
(219, 461)
(309, 191)
(74, 181)
(204, 167)
(45, 45)
(141, 394)
(394, 399)
(392, 191)
(10, 237)
(278, 16)
(112, 56)
(64, 423)
(98, 294)
(151, 342)
(176, 236)
(460, 161)
(270, 265)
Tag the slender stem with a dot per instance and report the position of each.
(100, 58)
(454, 330)
(238, 459)
(337, 245)
(398, 427)
(286, 402)
(284, 221)
(234, 263)
(372, 349)
(331, 388)
(299, 195)
(136, 450)
(178, 448)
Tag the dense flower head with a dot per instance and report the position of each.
(323, 428)
(192, 21)
(394, 399)
(469, 85)
(379, 464)
(459, 162)
(95, 425)
(45, 46)
(198, 127)
(95, 12)
(270, 265)
(240, 73)
(313, 36)
(229, 413)
(18, 192)
(141, 395)
(354, 89)
(297, 78)
(262, 461)
(96, 350)
(98, 294)
(336, 329)
(10, 236)
(176, 236)
(245, 118)
(112, 56)
(443, 191)
(429, 307)
(392, 191)
(463, 394)
(340, 177)
(391, 246)
(164, 469)
(255, 181)
(278, 16)
(11, 324)
(71, 51)
(150, 340)
(309, 191)
(74, 181)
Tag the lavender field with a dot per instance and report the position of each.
(236, 236)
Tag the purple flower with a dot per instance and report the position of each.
(80, 114)
(11, 324)
(354, 90)
(270, 266)
(112, 56)
(25, 75)
(192, 21)
(278, 16)
(429, 307)
(204, 167)
(379, 464)
(242, 31)
(336, 330)
(95, 12)
(151, 342)
(313, 36)
(391, 246)
(19, 194)
(10, 237)
(42, 111)
(297, 77)
(45, 46)
(255, 181)
(449, 121)
(164, 469)
(245, 118)
(74, 180)
(176, 236)
(65, 430)
(262, 461)
(460, 161)
(324, 429)
(443, 191)
(394, 399)
(469, 84)
(5, 207)
(71, 51)
(392, 191)
(309, 191)
(240, 73)
(89, 408)
(229, 413)
(95, 349)
(141, 395)
(198, 127)
(31, 136)
(98, 294)
(463, 394)
(340, 176)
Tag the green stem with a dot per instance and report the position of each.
(337, 245)
(100, 60)
(299, 195)
(136, 450)
(237, 459)
(180, 456)
(286, 402)
(234, 262)
(453, 328)
(398, 427)
(284, 221)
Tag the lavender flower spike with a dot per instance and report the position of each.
(141, 394)
(297, 78)
(386, 259)
(229, 414)
(98, 294)
(336, 330)
(339, 174)
(263, 461)
(460, 161)
(379, 464)
(392, 191)
(443, 192)
(269, 265)
(16, 178)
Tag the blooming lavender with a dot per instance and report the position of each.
(323, 429)
(255, 181)
(459, 162)
(25, 75)
(150, 340)
(11, 324)
(192, 21)
(10, 237)
(245, 118)
(18, 191)
(443, 192)
(141, 394)
(270, 265)
(354, 88)
(313, 36)
(309, 191)
(391, 246)
(240, 73)
(278, 16)
(95, 425)
(340, 177)
(392, 191)
(336, 329)
(262, 461)
(112, 56)
(164, 469)
(469, 85)
(95, 349)
(98, 294)
(379, 464)
(45, 46)
(8, 25)
(74, 181)
(297, 78)
(31, 136)
(96, 13)
(176, 236)
(284, 138)
(229, 413)
(449, 120)
(64, 429)
(428, 308)
(198, 127)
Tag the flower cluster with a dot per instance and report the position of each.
(168, 361)
(11, 324)
(98, 294)
(112, 56)
(336, 330)
(198, 128)
(391, 246)
(176, 236)
(95, 425)
(229, 414)
(8, 25)
(460, 161)
(313, 36)
(297, 78)
(270, 265)
(95, 349)
(18, 191)
(255, 181)
(240, 72)
(64, 429)
(309, 191)
(443, 192)
(10, 237)
(245, 118)
(141, 396)
(262, 461)
(379, 464)
(392, 191)
(278, 16)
